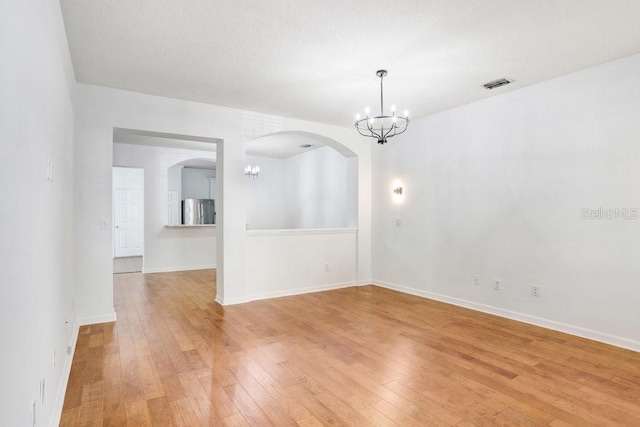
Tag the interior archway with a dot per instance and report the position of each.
(306, 181)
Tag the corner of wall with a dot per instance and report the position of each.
(101, 318)
(58, 404)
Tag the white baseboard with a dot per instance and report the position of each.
(173, 269)
(92, 320)
(521, 317)
(299, 291)
(56, 413)
(285, 293)
(231, 301)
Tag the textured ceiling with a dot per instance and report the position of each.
(317, 60)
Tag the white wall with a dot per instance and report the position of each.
(166, 249)
(99, 110)
(496, 189)
(315, 189)
(174, 179)
(36, 248)
(276, 265)
(195, 182)
(130, 178)
(266, 204)
(174, 186)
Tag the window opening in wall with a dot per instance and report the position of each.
(304, 184)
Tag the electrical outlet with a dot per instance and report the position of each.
(476, 280)
(69, 350)
(496, 285)
(326, 267)
(534, 291)
(398, 222)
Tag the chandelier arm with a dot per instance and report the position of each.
(392, 128)
(371, 133)
(364, 134)
(371, 129)
(404, 128)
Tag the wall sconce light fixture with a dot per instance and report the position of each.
(252, 171)
(397, 191)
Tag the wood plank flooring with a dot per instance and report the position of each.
(359, 356)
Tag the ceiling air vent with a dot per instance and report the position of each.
(496, 83)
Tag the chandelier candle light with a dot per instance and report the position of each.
(252, 171)
(382, 127)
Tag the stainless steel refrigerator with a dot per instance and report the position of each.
(198, 211)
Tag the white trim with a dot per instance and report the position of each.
(190, 226)
(231, 301)
(302, 231)
(299, 291)
(172, 269)
(287, 293)
(56, 413)
(93, 320)
(521, 317)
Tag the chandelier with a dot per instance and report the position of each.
(382, 127)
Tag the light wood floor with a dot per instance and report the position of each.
(358, 356)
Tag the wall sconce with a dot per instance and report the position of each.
(252, 171)
(397, 191)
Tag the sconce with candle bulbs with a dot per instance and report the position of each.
(398, 192)
(252, 171)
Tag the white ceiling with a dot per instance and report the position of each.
(281, 145)
(316, 60)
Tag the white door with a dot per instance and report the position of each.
(128, 223)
